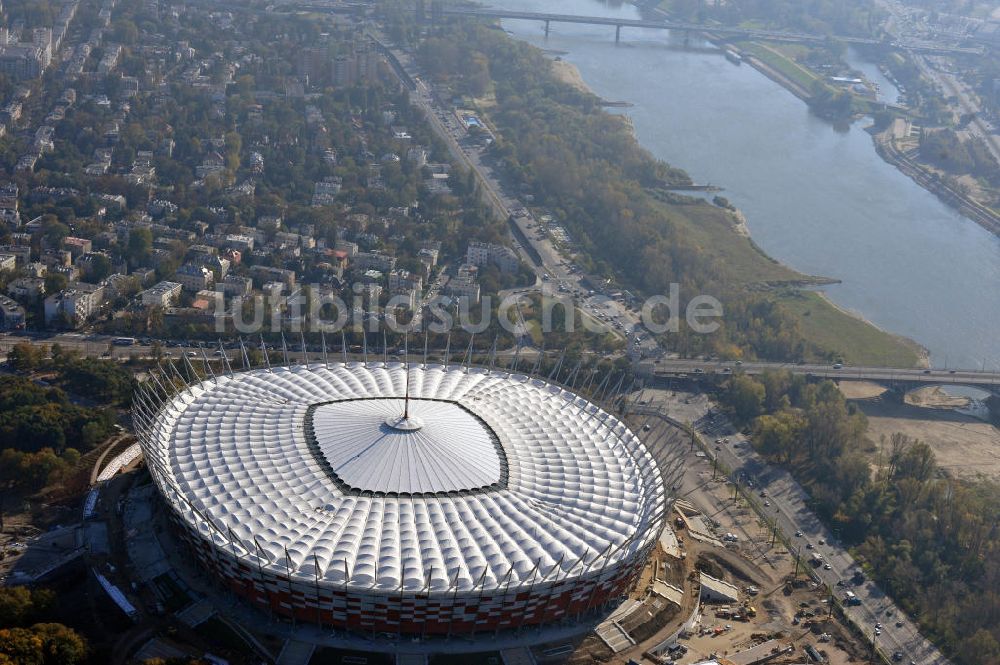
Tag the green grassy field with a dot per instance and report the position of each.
(782, 64)
(859, 342)
(712, 229)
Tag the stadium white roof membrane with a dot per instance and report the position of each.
(494, 479)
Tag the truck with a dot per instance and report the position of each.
(851, 599)
(816, 559)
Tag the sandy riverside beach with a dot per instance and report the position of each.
(568, 73)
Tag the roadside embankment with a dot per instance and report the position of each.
(975, 211)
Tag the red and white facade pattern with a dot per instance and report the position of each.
(403, 499)
(442, 613)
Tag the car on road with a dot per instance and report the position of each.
(798, 534)
(838, 365)
(827, 566)
(810, 546)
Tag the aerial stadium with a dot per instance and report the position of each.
(403, 498)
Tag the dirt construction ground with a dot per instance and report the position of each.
(964, 446)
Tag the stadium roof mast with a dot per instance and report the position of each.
(406, 398)
(406, 364)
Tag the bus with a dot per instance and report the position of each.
(123, 341)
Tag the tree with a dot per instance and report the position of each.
(777, 436)
(55, 282)
(61, 645)
(917, 461)
(54, 231)
(100, 267)
(20, 605)
(140, 244)
(745, 398)
(43, 644)
(26, 357)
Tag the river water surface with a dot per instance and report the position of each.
(817, 199)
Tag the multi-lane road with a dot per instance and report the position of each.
(782, 500)
(552, 268)
(666, 367)
(786, 502)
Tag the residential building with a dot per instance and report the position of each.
(374, 260)
(78, 246)
(163, 294)
(351, 248)
(268, 274)
(482, 254)
(326, 191)
(464, 284)
(404, 280)
(11, 314)
(241, 242)
(22, 61)
(22, 252)
(193, 277)
(9, 205)
(26, 288)
(73, 306)
(235, 286)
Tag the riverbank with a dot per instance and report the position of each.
(794, 78)
(980, 214)
(827, 323)
(726, 235)
(568, 73)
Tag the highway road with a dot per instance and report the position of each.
(780, 498)
(906, 23)
(667, 367)
(555, 269)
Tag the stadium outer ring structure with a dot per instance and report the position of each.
(256, 534)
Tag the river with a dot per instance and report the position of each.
(817, 199)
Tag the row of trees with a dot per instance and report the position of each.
(104, 382)
(945, 149)
(34, 417)
(25, 640)
(585, 166)
(842, 17)
(932, 541)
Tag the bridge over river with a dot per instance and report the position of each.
(731, 31)
(900, 378)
